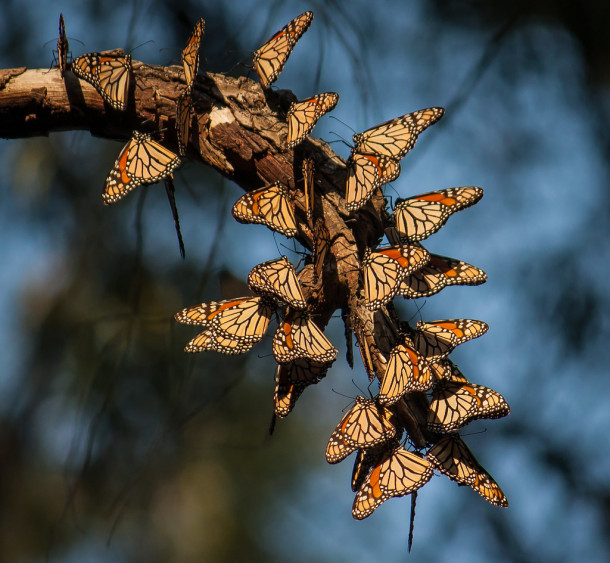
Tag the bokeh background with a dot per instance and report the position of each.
(116, 446)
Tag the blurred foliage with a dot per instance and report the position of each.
(114, 445)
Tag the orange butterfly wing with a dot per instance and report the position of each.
(420, 216)
(291, 380)
(396, 137)
(440, 272)
(452, 458)
(190, 54)
(270, 58)
(436, 339)
(406, 371)
(110, 75)
(398, 474)
(303, 116)
(231, 327)
(366, 173)
(277, 279)
(268, 206)
(364, 426)
(455, 404)
(385, 268)
(299, 337)
(142, 161)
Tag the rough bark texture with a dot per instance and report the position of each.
(241, 132)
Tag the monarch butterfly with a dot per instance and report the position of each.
(321, 245)
(269, 206)
(384, 270)
(217, 342)
(308, 187)
(269, 60)
(184, 107)
(396, 137)
(420, 216)
(190, 54)
(291, 380)
(406, 371)
(170, 190)
(299, 337)
(232, 326)
(364, 426)
(63, 47)
(452, 457)
(455, 404)
(436, 339)
(109, 75)
(440, 272)
(398, 474)
(366, 173)
(366, 460)
(303, 116)
(446, 369)
(142, 161)
(277, 279)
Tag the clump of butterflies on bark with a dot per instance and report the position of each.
(418, 365)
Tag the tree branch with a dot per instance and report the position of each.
(241, 132)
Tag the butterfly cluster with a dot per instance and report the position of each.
(417, 365)
(410, 428)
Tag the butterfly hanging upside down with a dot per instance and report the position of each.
(142, 161)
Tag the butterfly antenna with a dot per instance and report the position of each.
(170, 190)
(141, 45)
(412, 519)
(339, 141)
(368, 388)
(474, 433)
(342, 123)
(342, 395)
(358, 387)
(391, 186)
